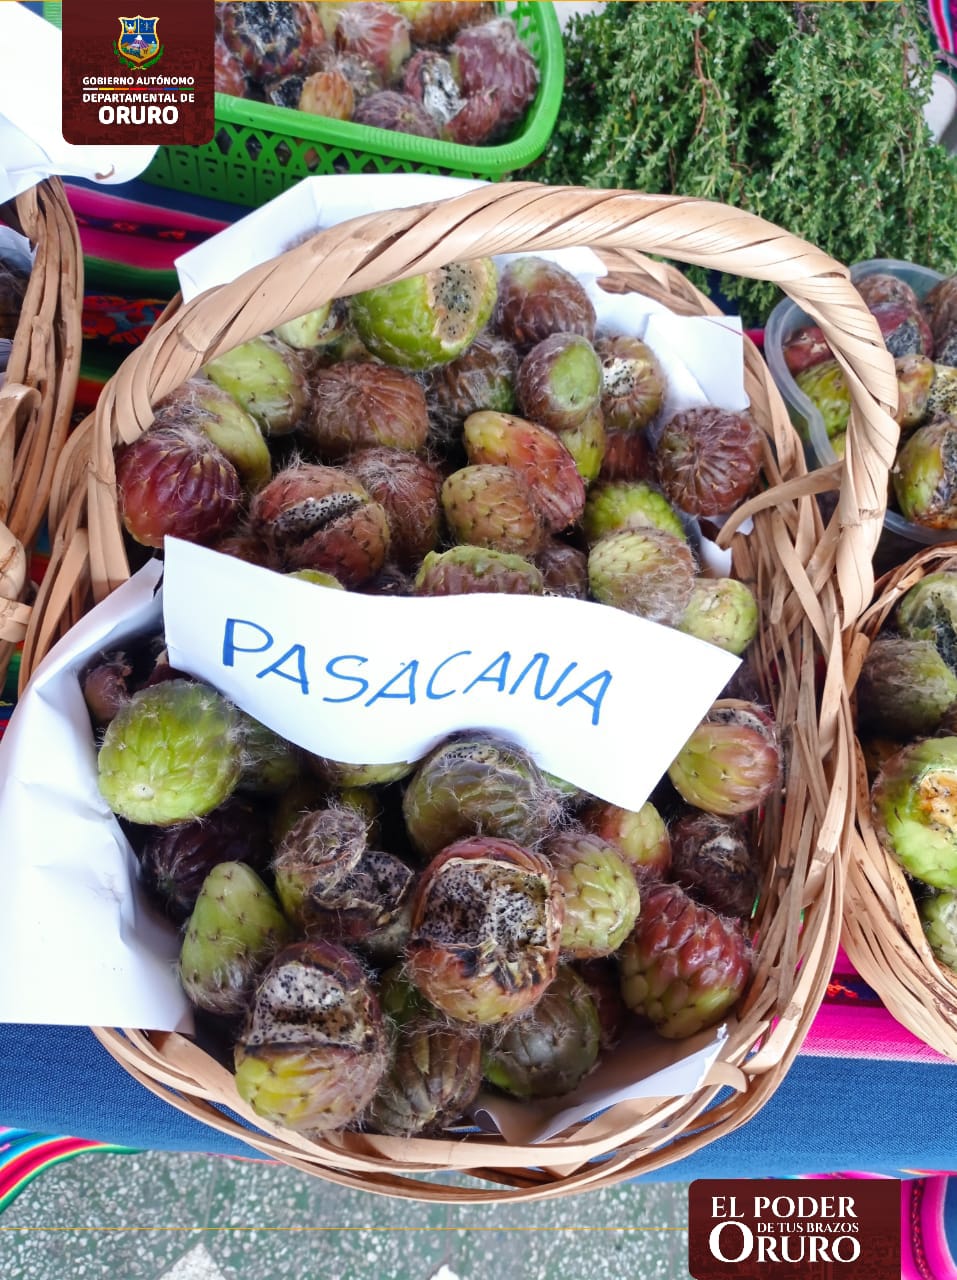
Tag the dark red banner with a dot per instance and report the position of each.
(134, 77)
(818, 1229)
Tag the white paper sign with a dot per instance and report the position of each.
(603, 699)
(32, 146)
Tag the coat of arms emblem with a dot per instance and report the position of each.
(138, 43)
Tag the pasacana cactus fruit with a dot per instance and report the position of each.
(732, 761)
(639, 835)
(174, 482)
(559, 381)
(173, 753)
(267, 377)
(486, 930)
(475, 783)
(905, 688)
(358, 405)
(174, 861)
(683, 966)
(633, 382)
(914, 810)
(234, 930)
(712, 861)
(491, 506)
(536, 298)
(318, 517)
(203, 406)
(466, 570)
(316, 854)
(483, 377)
(709, 460)
(555, 488)
(924, 476)
(645, 571)
(547, 1052)
(628, 504)
(427, 319)
(409, 490)
(601, 894)
(315, 1046)
(434, 1076)
(723, 612)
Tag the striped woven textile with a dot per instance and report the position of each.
(24, 1156)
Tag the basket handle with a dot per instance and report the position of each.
(525, 217)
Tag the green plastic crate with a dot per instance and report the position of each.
(260, 150)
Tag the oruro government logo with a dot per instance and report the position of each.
(138, 45)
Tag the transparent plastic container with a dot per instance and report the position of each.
(901, 538)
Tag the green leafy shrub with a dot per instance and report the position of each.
(810, 115)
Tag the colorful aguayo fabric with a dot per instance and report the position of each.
(24, 1156)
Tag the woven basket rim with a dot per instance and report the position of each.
(36, 400)
(808, 576)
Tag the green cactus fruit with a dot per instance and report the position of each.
(435, 1074)
(315, 1046)
(475, 783)
(684, 966)
(942, 398)
(904, 689)
(924, 476)
(601, 894)
(201, 404)
(317, 577)
(234, 930)
(586, 443)
(639, 835)
(722, 612)
(486, 930)
(623, 504)
(491, 506)
(732, 761)
(364, 405)
(173, 753)
(467, 570)
(267, 378)
(547, 1052)
(308, 331)
(826, 387)
(647, 572)
(428, 319)
(914, 810)
(559, 382)
(915, 377)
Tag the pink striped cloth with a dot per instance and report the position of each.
(852, 1023)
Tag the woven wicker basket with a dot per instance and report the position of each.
(807, 578)
(36, 400)
(882, 931)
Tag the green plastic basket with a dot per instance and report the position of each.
(260, 150)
